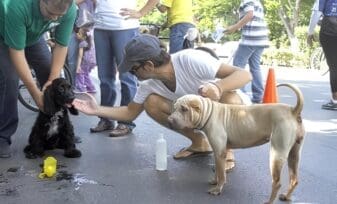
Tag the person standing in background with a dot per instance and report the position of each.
(328, 40)
(84, 7)
(180, 18)
(254, 38)
(22, 26)
(86, 61)
(116, 24)
(315, 16)
(86, 58)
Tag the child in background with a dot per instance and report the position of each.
(86, 60)
(81, 52)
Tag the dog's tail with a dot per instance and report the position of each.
(299, 105)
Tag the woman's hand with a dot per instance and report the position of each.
(87, 104)
(210, 90)
(130, 13)
(310, 40)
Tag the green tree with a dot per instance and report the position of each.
(284, 16)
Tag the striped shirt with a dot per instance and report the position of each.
(255, 32)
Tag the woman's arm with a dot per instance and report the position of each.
(131, 13)
(232, 77)
(89, 106)
(315, 16)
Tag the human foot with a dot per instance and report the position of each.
(187, 152)
(103, 125)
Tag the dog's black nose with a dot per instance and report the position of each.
(70, 98)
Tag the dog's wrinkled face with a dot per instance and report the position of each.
(58, 95)
(186, 112)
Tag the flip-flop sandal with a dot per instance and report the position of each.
(192, 153)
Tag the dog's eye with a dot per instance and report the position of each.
(60, 89)
(184, 109)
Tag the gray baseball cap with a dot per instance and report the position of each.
(140, 48)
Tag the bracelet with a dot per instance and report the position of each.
(217, 86)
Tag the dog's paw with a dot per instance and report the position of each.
(283, 197)
(215, 190)
(73, 153)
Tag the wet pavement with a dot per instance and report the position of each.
(122, 170)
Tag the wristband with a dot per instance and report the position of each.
(217, 86)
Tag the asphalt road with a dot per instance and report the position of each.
(122, 170)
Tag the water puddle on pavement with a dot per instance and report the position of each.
(77, 179)
(17, 177)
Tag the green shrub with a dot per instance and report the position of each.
(277, 57)
(284, 56)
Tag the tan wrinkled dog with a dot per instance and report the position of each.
(240, 126)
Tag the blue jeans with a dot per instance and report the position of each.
(109, 45)
(251, 55)
(39, 57)
(177, 33)
(72, 56)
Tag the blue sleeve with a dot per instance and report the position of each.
(321, 5)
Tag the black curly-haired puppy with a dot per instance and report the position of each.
(52, 128)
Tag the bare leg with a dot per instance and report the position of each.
(159, 108)
(230, 98)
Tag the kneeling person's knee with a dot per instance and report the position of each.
(151, 104)
(231, 97)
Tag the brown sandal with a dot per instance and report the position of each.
(191, 153)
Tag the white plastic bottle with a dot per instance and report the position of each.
(161, 153)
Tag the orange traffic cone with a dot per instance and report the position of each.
(270, 91)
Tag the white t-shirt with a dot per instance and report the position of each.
(190, 72)
(107, 15)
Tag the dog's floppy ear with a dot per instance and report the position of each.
(73, 110)
(48, 101)
(195, 104)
